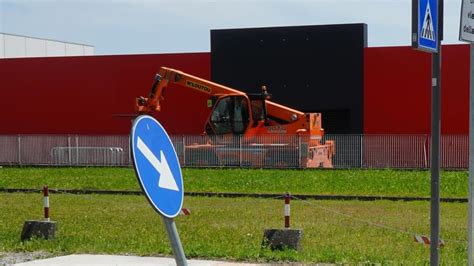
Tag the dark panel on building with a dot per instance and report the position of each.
(309, 68)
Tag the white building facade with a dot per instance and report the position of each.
(16, 46)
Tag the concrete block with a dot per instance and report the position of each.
(41, 229)
(279, 239)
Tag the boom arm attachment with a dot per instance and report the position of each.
(167, 76)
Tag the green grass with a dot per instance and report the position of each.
(232, 229)
(343, 182)
(69, 178)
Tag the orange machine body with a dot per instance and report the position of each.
(262, 125)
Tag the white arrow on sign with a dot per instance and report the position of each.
(166, 177)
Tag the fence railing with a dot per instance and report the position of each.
(87, 156)
(352, 151)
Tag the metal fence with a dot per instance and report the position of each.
(67, 150)
(352, 151)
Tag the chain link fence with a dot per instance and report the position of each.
(352, 151)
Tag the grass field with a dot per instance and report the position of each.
(233, 228)
(336, 182)
(334, 231)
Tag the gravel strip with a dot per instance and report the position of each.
(10, 258)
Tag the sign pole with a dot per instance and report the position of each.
(435, 154)
(427, 33)
(470, 229)
(175, 241)
(466, 34)
(159, 175)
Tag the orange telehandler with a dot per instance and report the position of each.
(244, 128)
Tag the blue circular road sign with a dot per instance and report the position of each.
(156, 165)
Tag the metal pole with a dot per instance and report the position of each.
(69, 148)
(77, 149)
(240, 149)
(129, 152)
(184, 151)
(19, 150)
(299, 152)
(425, 152)
(470, 232)
(361, 147)
(435, 153)
(175, 241)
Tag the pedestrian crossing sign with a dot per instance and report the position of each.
(425, 30)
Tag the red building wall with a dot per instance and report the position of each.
(88, 95)
(398, 90)
(95, 95)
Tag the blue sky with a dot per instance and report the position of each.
(166, 26)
